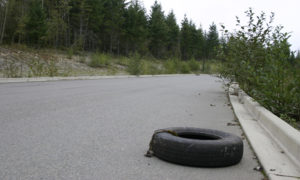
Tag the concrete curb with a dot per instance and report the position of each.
(44, 79)
(275, 142)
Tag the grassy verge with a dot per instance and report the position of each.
(21, 61)
(137, 65)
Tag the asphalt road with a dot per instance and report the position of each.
(100, 129)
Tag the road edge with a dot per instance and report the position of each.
(45, 79)
(276, 143)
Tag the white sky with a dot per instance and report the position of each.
(204, 12)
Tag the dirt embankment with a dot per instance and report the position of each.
(18, 62)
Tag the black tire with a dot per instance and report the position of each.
(197, 147)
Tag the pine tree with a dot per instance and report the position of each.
(157, 31)
(188, 40)
(114, 20)
(36, 25)
(58, 11)
(4, 6)
(9, 15)
(172, 39)
(136, 28)
(212, 41)
(200, 44)
(194, 41)
(18, 18)
(95, 24)
(184, 38)
(79, 16)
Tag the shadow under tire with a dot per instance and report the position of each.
(198, 147)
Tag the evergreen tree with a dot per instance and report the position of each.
(297, 60)
(200, 44)
(19, 18)
(189, 40)
(157, 31)
(114, 11)
(136, 28)
(95, 24)
(223, 48)
(79, 16)
(184, 39)
(298, 55)
(172, 38)
(212, 41)
(4, 6)
(36, 25)
(58, 11)
(194, 41)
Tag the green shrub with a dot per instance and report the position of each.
(150, 67)
(173, 66)
(194, 65)
(170, 67)
(70, 53)
(135, 65)
(257, 57)
(123, 61)
(184, 68)
(99, 60)
(154, 69)
(51, 69)
(289, 120)
(37, 68)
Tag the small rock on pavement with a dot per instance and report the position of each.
(258, 168)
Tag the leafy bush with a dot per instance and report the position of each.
(99, 60)
(150, 67)
(257, 57)
(171, 66)
(210, 66)
(123, 61)
(194, 65)
(37, 68)
(70, 53)
(135, 65)
(51, 68)
(184, 68)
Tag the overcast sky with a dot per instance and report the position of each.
(204, 12)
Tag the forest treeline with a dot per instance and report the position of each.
(109, 26)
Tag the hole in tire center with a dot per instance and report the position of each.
(198, 136)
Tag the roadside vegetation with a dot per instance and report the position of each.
(257, 55)
(16, 61)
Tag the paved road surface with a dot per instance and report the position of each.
(100, 129)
